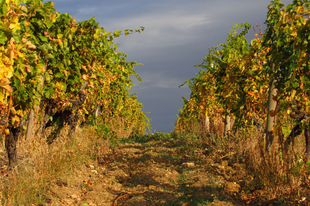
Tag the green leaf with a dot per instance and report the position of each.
(47, 94)
(304, 79)
(51, 91)
(39, 87)
(49, 56)
(18, 2)
(1, 2)
(43, 38)
(47, 77)
(289, 7)
(17, 37)
(43, 48)
(48, 24)
(4, 9)
(295, 85)
(36, 101)
(3, 37)
(292, 58)
(19, 98)
(49, 47)
(16, 84)
(59, 75)
(32, 57)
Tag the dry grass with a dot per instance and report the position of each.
(121, 127)
(282, 175)
(40, 164)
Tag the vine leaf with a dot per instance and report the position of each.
(5, 84)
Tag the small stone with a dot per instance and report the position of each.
(189, 164)
(74, 196)
(94, 171)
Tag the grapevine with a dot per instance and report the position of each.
(62, 71)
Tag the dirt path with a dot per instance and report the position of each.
(157, 172)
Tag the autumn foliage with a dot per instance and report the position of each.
(264, 86)
(62, 70)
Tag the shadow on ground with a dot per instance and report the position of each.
(171, 172)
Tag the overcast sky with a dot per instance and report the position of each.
(177, 36)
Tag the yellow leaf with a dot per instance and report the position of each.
(59, 42)
(86, 112)
(14, 25)
(8, 88)
(27, 68)
(1, 97)
(20, 54)
(84, 76)
(4, 83)
(294, 33)
(24, 40)
(53, 19)
(91, 84)
(20, 112)
(93, 76)
(84, 67)
(13, 111)
(293, 93)
(15, 121)
(59, 86)
(12, 41)
(11, 54)
(31, 46)
(73, 29)
(290, 111)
